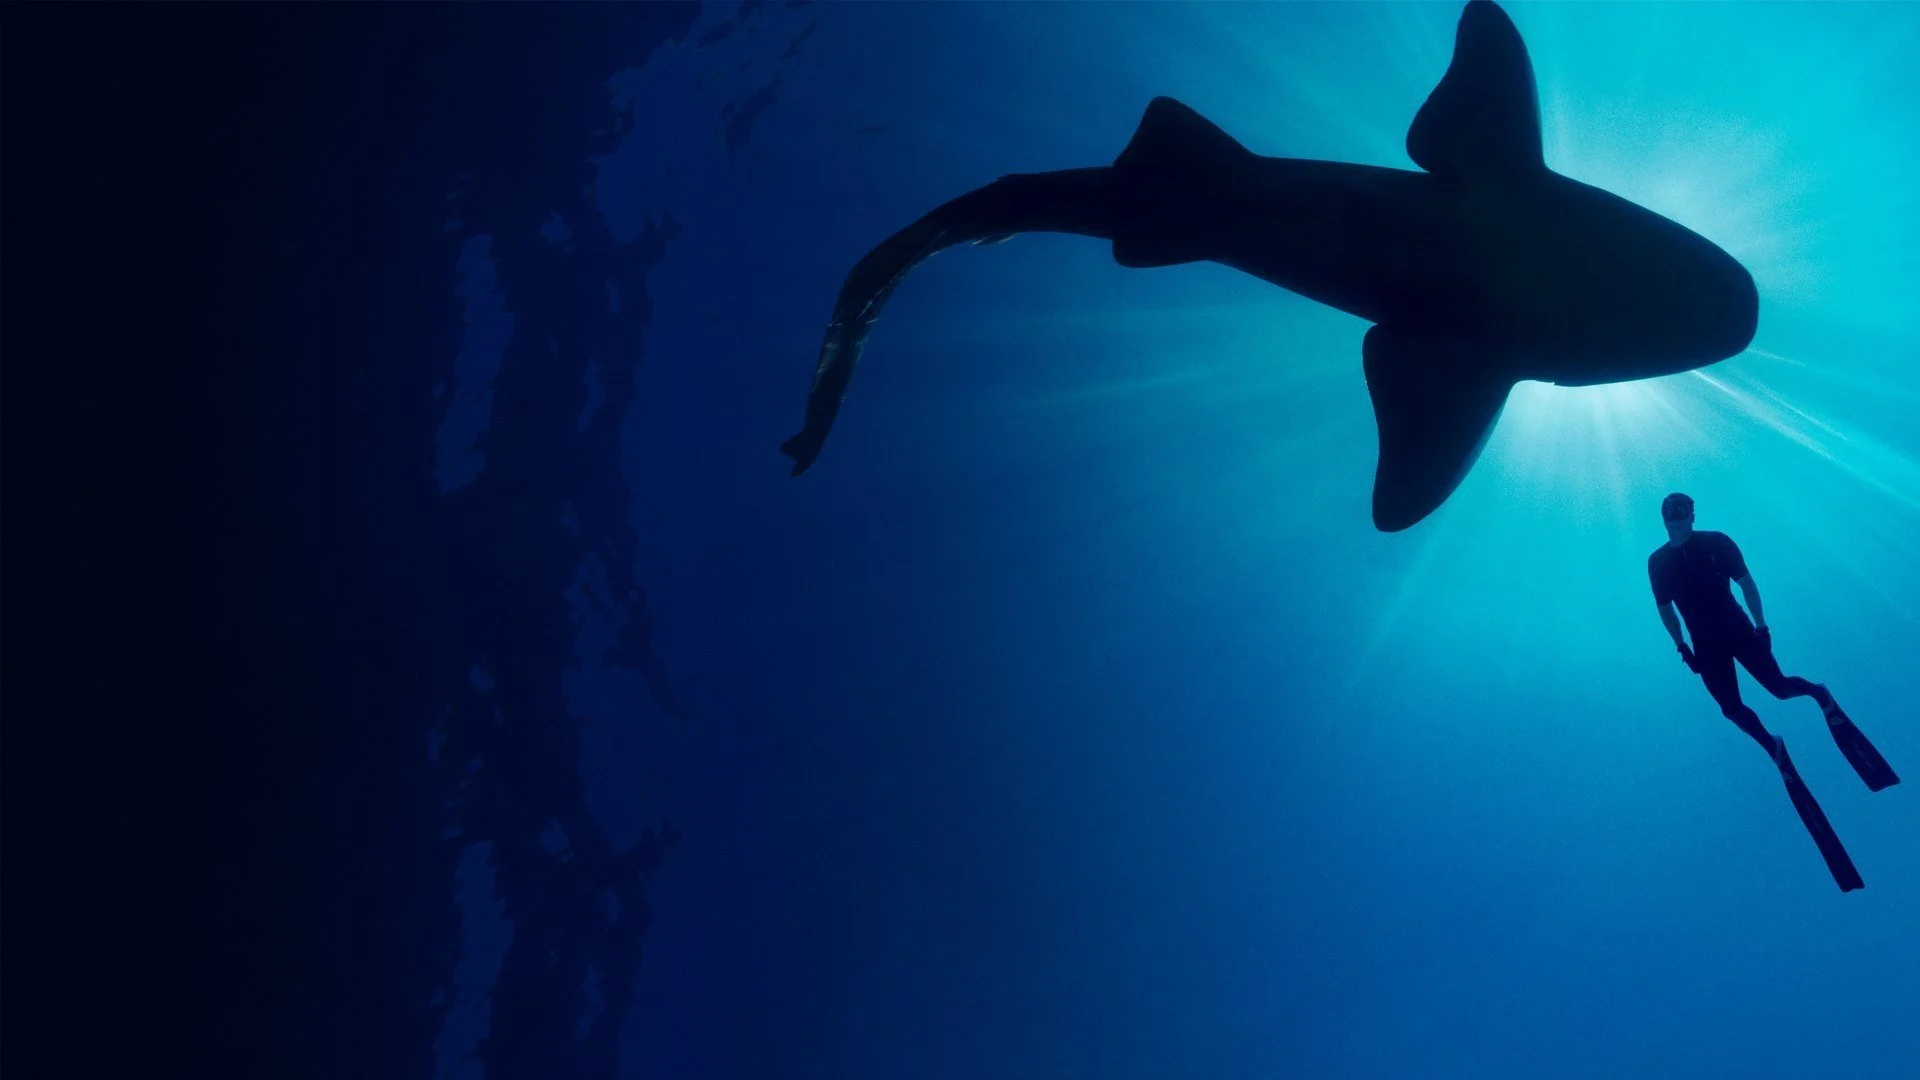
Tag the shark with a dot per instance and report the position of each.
(1481, 269)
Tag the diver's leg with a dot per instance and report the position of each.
(1086, 202)
(1839, 864)
(1716, 670)
(1854, 745)
(1758, 659)
(1724, 683)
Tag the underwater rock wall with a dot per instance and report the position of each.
(550, 319)
(289, 663)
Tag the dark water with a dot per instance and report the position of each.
(425, 667)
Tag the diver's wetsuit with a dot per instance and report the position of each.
(1695, 577)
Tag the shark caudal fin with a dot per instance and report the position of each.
(1171, 144)
(1435, 402)
(1483, 119)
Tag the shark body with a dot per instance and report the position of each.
(1481, 270)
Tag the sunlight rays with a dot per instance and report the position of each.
(1855, 455)
(1848, 377)
(1588, 449)
(1588, 435)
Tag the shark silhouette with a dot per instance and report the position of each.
(1485, 269)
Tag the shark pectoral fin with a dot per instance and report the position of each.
(1484, 117)
(1435, 402)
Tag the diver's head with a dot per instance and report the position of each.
(1677, 511)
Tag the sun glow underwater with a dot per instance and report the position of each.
(1780, 133)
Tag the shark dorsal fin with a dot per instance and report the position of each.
(1172, 140)
(1484, 117)
(1173, 137)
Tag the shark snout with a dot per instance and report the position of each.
(1698, 308)
(1729, 308)
(1649, 296)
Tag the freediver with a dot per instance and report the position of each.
(1691, 572)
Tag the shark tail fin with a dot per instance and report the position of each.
(1171, 144)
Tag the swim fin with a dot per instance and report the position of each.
(1860, 753)
(1817, 825)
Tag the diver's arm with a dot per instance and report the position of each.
(1671, 618)
(1752, 592)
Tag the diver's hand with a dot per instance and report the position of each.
(1766, 637)
(1693, 662)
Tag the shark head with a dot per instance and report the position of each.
(1615, 290)
(1659, 298)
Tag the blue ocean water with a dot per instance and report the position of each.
(1070, 719)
